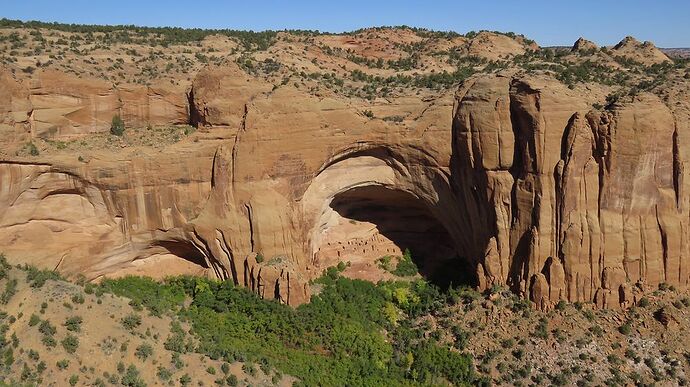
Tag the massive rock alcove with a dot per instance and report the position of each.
(375, 221)
(513, 181)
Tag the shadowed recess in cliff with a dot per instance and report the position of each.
(377, 221)
(184, 250)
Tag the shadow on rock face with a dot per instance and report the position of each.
(405, 222)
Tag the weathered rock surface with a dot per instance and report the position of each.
(645, 53)
(513, 180)
(597, 193)
(59, 106)
(583, 44)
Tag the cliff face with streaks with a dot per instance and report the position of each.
(573, 203)
(512, 179)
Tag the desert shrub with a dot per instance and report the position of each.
(176, 361)
(46, 328)
(185, 380)
(70, 343)
(461, 337)
(561, 305)
(117, 126)
(176, 341)
(73, 324)
(144, 351)
(249, 369)
(164, 374)
(32, 149)
(78, 298)
(596, 330)
(37, 277)
(542, 329)
(34, 320)
(10, 290)
(33, 355)
(344, 336)
(131, 321)
(132, 377)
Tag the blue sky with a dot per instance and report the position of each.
(553, 22)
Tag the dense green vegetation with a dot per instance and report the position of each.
(405, 267)
(352, 333)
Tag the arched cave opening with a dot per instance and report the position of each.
(184, 250)
(375, 221)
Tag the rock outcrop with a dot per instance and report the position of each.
(645, 53)
(584, 45)
(581, 203)
(512, 180)
(60, 106)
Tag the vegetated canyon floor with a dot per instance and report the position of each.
(59, 333)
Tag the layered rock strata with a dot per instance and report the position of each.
(515, 180)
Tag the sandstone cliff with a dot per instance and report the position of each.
(512, 178)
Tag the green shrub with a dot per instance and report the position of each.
(37, 278)
(131, 321)
(176, 341)
(157, 298)
(561, 305)
(78, 298)
(9, 292)
(405, 267)
(33, 355)
(32, 149)
(70, 343)
(542, 331)
(117, 126)
(132, 377)
(144, 351)
(185, 380)
(73, 324)
(163, 374)
(34, 320)
(46, 328)
(461, 337)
